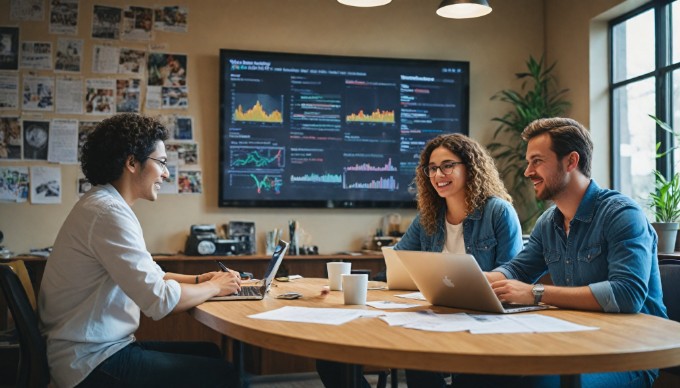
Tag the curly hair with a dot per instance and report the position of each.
(483, 180)
(113, 140)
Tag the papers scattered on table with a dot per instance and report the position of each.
(326, 316)
(428, 321)
(387, 305)
(482, 324)
(413, 295)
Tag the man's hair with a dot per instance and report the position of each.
(483, 180)
(108, 146)
(567, 136)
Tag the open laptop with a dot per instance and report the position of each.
(258, 290)
(455, 280)
(398, 277)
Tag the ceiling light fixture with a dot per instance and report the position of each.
(364, 3)
(463, 9)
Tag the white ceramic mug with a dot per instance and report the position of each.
(355, 286)
(335, 271)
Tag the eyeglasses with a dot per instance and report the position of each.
(163, 163)
(446, 168)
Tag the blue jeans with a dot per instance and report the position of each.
(636, 379)
(163, 364)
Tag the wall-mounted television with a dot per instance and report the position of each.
(331, 131)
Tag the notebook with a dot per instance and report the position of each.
(398, 277)
(259, 290)
(455, 280)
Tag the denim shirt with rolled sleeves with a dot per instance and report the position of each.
(493, 234)
(611, 248)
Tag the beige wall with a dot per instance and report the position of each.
(496, 45)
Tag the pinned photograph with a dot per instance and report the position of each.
(69, 55)
(36, 55)
(9, 48)
(138, 23)
(38, 93)
(14, 184)
(189, 182)
(36, 139)
(10, 138)
(131, 61)
(179, 127)
(83, 185)
(100, 96)
(45, 185)
(174, 98)
(9, 92)
(128, 95)
(64, 17)
(183, 153)
(84, 129)
(172, 19)
(169, 185)
(27, 10)
(106, 22)
(167, 70)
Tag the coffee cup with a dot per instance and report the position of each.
(335, 271)
(355, 287)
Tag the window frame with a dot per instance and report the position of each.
(662, 75)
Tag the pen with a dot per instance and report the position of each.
(222, 266)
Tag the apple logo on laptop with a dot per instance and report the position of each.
(447, 282)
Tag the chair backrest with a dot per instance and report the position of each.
(670, 283)
(33, 368)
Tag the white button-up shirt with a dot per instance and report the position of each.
(97, 279)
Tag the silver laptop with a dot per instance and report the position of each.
(455, 280)
(398, 277)
(259, 290)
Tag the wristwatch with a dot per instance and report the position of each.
(538, 290)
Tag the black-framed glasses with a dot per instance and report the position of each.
(163, 163)
(446, 168)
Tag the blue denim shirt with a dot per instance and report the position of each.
(492, 235)
(611, 247)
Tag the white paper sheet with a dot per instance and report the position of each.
(413, 295)
(326, 316)
(387, 305)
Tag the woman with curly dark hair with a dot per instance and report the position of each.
(100, 276)
(463, 208)
(463, 205)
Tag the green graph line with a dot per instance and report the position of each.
(258, 160)
(267, 184)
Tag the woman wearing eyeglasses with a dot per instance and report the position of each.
(463, 205)
(463, 208)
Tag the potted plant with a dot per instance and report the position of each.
(665, 201)
(538, 98)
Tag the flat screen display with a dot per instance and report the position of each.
(329, 131)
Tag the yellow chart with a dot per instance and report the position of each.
(257, 113)
(377, 116)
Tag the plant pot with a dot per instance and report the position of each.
(667, 232)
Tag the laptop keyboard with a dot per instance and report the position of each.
(515, 305)
(249, 291)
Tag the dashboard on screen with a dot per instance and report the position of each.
(329, 131)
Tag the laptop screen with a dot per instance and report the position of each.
(275, 262)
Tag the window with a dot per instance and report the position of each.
(645, 79)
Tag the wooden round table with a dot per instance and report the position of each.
(624, 342)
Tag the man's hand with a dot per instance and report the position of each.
(513, 291)
(227, 282)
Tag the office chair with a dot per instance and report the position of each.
(670, 281)
(33, 369)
